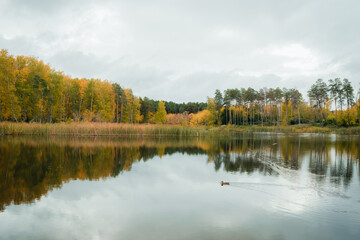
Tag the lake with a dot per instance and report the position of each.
(281, 186)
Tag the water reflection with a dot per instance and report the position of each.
(32, 166)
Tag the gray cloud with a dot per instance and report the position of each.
(183, 50)
(77, 63)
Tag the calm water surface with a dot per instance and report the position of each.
(301, 186)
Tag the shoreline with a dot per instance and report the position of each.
(91, 129)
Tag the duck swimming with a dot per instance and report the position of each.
(224, 183)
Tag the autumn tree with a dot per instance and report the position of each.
(335, 90)
(118, 96)
(128, 106)
(55, 95)
(319, 93)
(262, 103)
(296, 99)
(148, 109)
(285, 106)
(160, 115)
(348, 92)
(136, 111)
(218, 100)
(8, 100)
(213, 113)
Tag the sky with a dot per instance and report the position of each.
(181, 51)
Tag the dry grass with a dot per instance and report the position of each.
(99, 129)
(140, 130)
(303, 128)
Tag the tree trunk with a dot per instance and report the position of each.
(271, 108)
(270, 115)
(230, 118)
(247, 115)
(335, 113)
(218, 116)
(253, 114)
(121, 113)
(341, 104)
(131, 116)
(117, 110)
(321, 114)
(80, 108)
(299, 113)
(91, 107)
(234, 116)
(261, 112)
(226, 117)
(280, 114)
(12, 109)
(11, 104)
(40, 109)
(51, 111)
(286, 112)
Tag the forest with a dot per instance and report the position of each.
(32, 91)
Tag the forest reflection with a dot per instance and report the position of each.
(32, 166)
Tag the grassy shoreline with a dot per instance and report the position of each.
(113, 129)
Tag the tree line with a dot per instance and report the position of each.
(32, 91)
(329, 103)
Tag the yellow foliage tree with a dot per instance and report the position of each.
(213, 116)
(136, 109)
(347, 118)
(160, 115)
(8, 99)
(201, 118)
(128, 106)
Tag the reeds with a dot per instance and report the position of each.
(100, 129)
(154, 130)
(303, 128)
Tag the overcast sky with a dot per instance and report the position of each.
(184, 50)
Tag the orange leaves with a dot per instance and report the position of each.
(199, 119)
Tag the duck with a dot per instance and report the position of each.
(224, 183)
